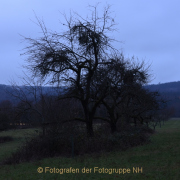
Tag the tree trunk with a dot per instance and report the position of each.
(89, 119)
(90, 132)
(135, 122)
(43, 127)
(113, 127)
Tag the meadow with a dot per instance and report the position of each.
(159, 159)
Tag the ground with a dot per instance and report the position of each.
(158, 160)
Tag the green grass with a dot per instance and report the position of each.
(159, 160)
(19, 136)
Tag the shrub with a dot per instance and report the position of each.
(74, 142)
(4, 122)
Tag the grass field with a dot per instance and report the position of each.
(19, 136)
(158, 160)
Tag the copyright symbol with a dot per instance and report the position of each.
(39, 169)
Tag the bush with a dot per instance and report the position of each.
(68, 143)
(4, 122)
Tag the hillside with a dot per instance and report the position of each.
(170, 91)
(6, 92)
(170, 87)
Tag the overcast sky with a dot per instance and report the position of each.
(149, 30)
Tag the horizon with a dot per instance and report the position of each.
(67, 86)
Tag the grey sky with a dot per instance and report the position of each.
(149, 30)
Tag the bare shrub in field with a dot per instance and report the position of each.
(70, 141)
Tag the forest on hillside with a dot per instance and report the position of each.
(169, 91)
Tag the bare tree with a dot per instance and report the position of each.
(72, 57)
(95, 73)
(33, 106)
(121, 83)
(6, 114)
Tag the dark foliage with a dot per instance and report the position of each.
(61, 144)
(4, 122)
